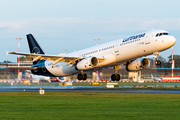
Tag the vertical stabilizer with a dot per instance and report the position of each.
(33, 45)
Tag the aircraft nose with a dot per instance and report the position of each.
(172, 40)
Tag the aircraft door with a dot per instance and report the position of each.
(148, 41)
(147, 38)
(116, 48)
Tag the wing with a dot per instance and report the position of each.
(55, 58)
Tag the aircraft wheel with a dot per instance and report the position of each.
(158, 62)
(84, 77)
(80, 77)
(113, 77)
(118, 77)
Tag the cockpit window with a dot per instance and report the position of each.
(160, 34)
(165, 34)
(157, 35)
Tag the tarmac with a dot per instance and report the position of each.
(154, 87)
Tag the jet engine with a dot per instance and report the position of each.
(87, 63)
(138, 64)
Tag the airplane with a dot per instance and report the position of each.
(156, 78)
(130, 51)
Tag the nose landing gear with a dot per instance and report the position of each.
(158, 62)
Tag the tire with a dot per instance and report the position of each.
(84, 77)
(158, 62)
(113, 77)
(79, 77)
(118, 77)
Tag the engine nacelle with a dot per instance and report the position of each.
(138, 64)
(87, 63)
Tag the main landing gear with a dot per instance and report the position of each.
(82, 76)
(116, 76)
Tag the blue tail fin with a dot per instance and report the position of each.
(33, 45)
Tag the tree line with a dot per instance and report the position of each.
(167, 63)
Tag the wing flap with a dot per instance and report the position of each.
(55, 58)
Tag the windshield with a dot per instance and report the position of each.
(160, 34)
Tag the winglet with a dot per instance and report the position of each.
(7, 53)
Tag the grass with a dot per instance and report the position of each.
(75, 106)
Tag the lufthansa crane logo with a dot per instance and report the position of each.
(36, 50)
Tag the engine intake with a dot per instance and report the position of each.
(87, 63)
(94, 61)
(138, 64)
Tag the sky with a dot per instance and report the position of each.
(74, 24)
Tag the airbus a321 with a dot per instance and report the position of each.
(130, 51)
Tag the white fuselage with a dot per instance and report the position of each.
(118, 51)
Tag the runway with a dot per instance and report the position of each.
(87, 87)
(67, 89)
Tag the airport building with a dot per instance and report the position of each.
(12, 73)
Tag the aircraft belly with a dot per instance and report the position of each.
(61, 69)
